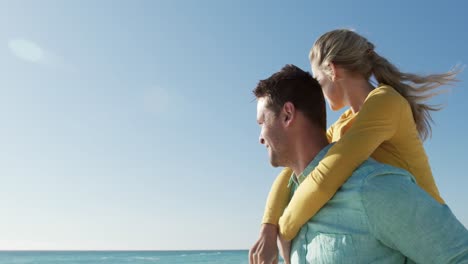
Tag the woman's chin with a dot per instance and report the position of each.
(336, 107)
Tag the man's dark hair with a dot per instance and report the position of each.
(291, 84)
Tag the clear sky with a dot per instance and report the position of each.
(131, 124)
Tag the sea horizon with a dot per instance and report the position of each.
(115, 250)
(212, 256)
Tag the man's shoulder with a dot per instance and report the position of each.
(371, 171)
(381, 183)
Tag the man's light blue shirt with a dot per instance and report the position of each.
(379, 215)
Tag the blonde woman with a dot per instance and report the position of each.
(387, 122)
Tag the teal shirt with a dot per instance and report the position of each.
(379, 215)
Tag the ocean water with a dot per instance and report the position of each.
(120, 257)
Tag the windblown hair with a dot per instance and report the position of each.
(291, 84)
(356, 54)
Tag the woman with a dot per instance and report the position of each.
(387, 122)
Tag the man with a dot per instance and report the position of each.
(378, 216)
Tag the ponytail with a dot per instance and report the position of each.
(416, 89)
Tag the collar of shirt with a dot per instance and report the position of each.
(300, 178)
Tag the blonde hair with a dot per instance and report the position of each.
(356, 54)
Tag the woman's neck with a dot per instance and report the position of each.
(356, 90)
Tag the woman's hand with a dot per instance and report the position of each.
(265, 250)
(285, 249)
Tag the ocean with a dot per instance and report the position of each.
(120, 257)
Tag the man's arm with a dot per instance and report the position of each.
(404, 217)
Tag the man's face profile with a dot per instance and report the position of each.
(271, 133)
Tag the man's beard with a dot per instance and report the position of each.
(278, 159)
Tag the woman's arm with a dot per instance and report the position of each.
(278, 198)
(377, 121)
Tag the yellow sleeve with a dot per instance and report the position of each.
(330, 134)
(278, 198)
(377, 121)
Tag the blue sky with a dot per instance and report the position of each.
(131, 124)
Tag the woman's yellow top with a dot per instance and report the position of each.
(384, 129)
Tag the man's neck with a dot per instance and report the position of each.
(305, 152)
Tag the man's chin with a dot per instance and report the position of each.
(274, 164)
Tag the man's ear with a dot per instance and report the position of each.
(289, 113)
